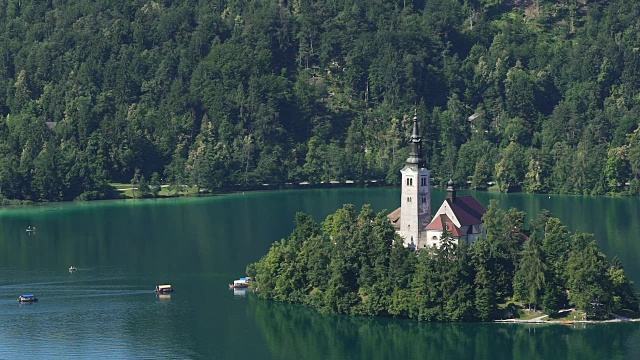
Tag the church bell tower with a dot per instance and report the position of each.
(415, 202)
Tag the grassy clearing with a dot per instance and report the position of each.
(120, 186)
(525, 314)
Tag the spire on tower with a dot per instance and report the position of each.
(451, 191)
(415, 144)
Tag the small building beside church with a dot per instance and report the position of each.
(460, 217)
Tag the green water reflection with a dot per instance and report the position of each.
(122, 249)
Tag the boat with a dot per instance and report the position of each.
(72, 268)
(164, 289)
(27, 298)
(31, 229)
(240, 283)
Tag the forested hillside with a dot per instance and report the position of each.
(226, 93)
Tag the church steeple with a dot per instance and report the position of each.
(415, 205)
(415, 145)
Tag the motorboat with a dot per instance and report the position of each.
(164, 289)
(72, 268)
(27, 298)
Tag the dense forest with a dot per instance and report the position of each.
(355, 264)
(533, 94)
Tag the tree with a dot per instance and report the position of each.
(536, 180)
(624, 296)
(155, 185)
(529, 279)
(482, 174)
(504, 240)
(135, 183)
(617, 168)
(588, 285)
(634, 153)
(510, 170)
(143, 189)
(486, 302)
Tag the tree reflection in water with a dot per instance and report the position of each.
(292, 332)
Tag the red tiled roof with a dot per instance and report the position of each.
(467, 209)
(443, 222)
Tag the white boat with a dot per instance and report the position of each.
(164, 289)
(27, 298)
(72, 268)
(240, 283)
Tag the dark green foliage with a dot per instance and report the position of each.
(229, 94)
(351, 264)
(588, 285)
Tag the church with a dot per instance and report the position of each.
(460, 217)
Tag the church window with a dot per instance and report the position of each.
(409, 181)
(423, 181)
(424, 199)
(434, 239)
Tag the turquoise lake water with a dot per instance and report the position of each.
(107, 308)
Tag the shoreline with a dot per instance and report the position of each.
(541, 320)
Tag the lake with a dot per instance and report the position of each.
(122, 249)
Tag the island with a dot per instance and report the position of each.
(355, 263)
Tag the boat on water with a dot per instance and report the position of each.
(72, 268)
(27, 298)
(243, 282)
(31, 228)
(164, 289)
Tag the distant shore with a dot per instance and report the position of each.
(543, 320)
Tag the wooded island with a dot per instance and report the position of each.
(354, 263)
